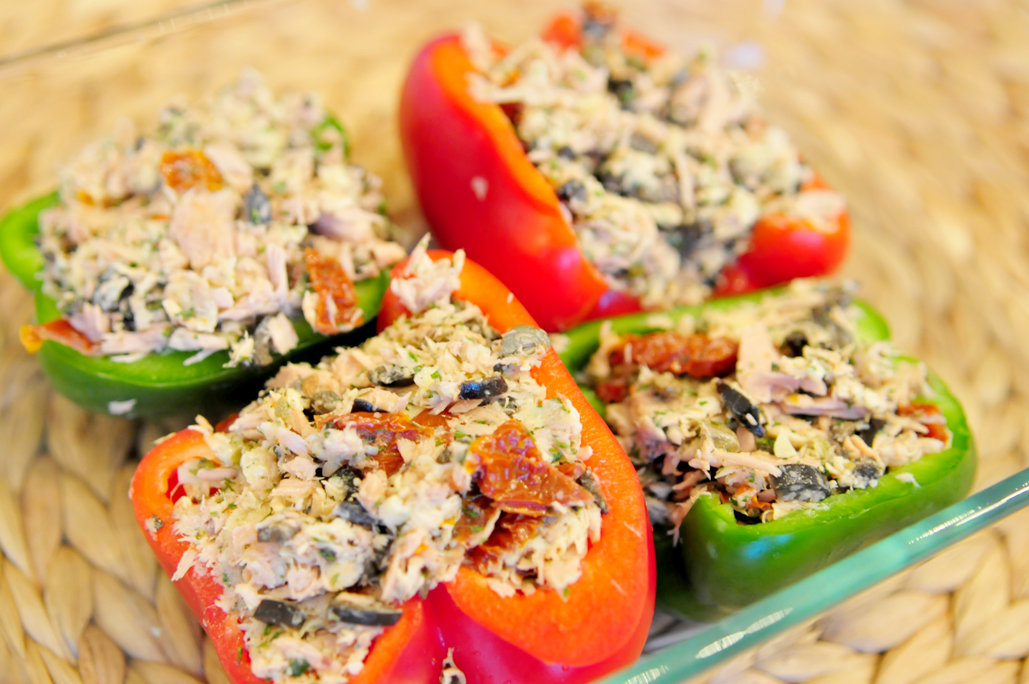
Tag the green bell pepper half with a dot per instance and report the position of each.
(721, 565)
(159, 384)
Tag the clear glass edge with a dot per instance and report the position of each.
(765, 619)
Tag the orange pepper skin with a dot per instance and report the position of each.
(479, 192)
(601, 624)
(409, 651)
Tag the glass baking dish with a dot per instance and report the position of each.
(58, 98)
(691, 649)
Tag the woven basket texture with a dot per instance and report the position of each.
(916, 111)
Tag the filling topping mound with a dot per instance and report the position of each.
(663, 163)
(772, 406)
(209, 232)
(351, 486)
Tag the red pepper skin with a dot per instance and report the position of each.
(602, 622)
(783, 248)
(480, 192)
(410, 651)
(454, 146)
(491, 660)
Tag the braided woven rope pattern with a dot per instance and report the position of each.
(914, 110)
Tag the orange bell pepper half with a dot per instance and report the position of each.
(604, 618)
(598, 626)
(479, 192)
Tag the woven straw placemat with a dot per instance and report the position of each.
(914, 110)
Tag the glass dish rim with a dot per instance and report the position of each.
(760, 621)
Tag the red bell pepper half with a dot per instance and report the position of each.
(597, 627)
(480, 192)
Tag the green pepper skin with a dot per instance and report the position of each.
(18, 230)
(160, 384)
(722, 566)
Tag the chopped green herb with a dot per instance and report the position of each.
(297, 667)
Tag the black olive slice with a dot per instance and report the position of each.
(353, 512)
(799, 482)
(390, 376)
(748, 415)
(487, 388)
(363, 406)
(370, 616)
(279, 613)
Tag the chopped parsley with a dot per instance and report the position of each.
(297, 667)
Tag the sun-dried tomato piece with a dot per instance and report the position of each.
(189, 169)
(337, 297)
(475, 514)
(60, 331)
(572, 470)
(613, 391)
(435, 421)
(432, 420)
(516, 476)
(381, 430)
(928, 415)
(511, 533)
(697, 355)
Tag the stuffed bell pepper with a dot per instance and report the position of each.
(596, 164)
(773, 434)
(171, 266)
(442, 489)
